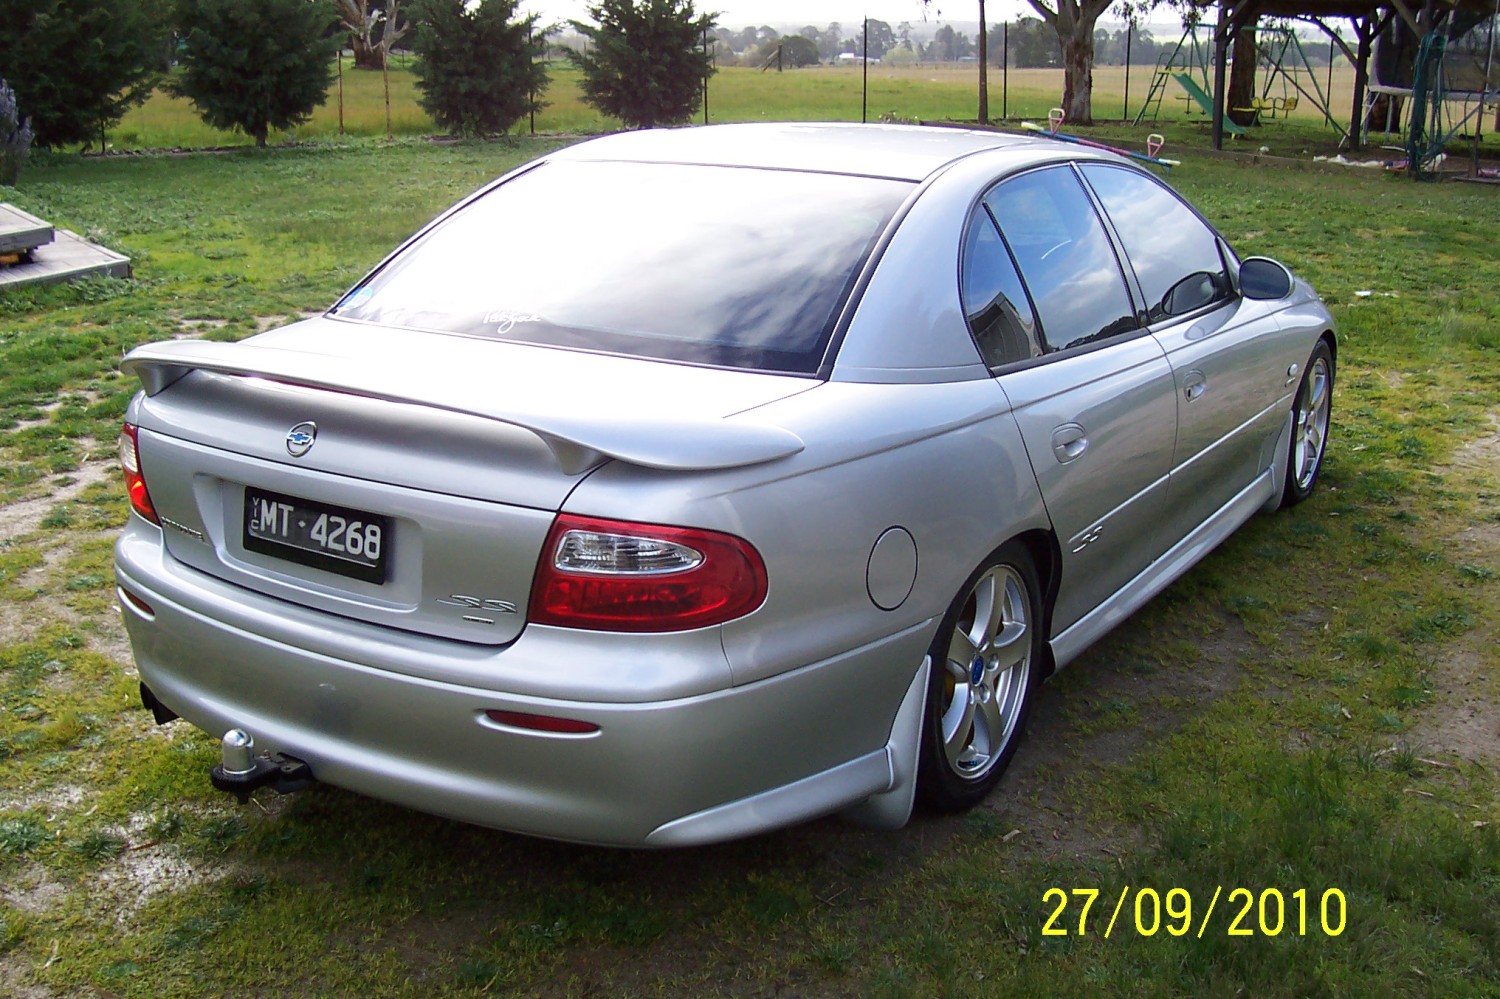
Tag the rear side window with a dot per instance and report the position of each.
(713, 265)
(995, 303)
(1174, 253)
(1065, 255)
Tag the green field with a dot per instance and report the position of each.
(1311, 710)
(934, 92)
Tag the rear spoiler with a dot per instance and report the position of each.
(578, 443)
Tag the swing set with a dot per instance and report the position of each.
(1280, 59)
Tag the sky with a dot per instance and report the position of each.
(818, 12)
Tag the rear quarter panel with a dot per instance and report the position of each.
(943, 461)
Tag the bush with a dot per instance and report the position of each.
(476, 67)
(78, 65)
(647, 63)
(254, 66)
(15, 137)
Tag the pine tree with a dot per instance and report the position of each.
(78, 65)
(254, 65)
(476, 66)
(646, 63)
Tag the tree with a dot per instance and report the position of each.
(797, 51)
(1240, 90)
(881, 38)
(1032, 44)
(831, 44)
(1073, 21)
(646, 66)
(15, 137)
(254, 66)
(477, 65)
(948, 45)
(363, 19)
(78, 65)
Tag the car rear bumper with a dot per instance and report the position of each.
(393, 720)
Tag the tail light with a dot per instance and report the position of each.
(135, 482)
(610, 575)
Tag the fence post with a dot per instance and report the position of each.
(1129, 32)
(1005, 71)
(385, 72)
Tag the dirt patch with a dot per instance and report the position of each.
(145, 871)
(25, 516)
(52, 800)
(271, 322)
(1463, 722)
(1115, 705)
(31, 890)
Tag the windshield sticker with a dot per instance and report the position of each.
(506, 320)
(356, 298)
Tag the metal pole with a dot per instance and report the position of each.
(864, 94)
(530, 86)
(1328, 103)
(1129, 32)
(341, 89)
(710, 54)
(1005, 71)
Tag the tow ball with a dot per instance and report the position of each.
(241, 771)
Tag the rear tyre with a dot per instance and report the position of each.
(985, 662)
(1310, 422)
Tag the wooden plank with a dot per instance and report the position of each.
(67, 258)
(20, 231)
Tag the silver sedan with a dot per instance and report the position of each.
(681, 485)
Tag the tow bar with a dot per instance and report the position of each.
(241, 771)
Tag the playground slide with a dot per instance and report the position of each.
(1205, 102)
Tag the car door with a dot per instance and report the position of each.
(1222, 349)
(1091, 392)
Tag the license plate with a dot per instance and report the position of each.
(332, 538)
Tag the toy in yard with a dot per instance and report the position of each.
(1154, 142)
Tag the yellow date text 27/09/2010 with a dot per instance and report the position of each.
(1244, 912)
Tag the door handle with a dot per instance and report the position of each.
(1068, 442)
(1194, 384)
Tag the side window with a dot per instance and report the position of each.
(1175, 255)
(1065, 256)
(995, 303)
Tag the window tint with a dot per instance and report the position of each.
(714, 265)
(995, 303)
(1065, 256)
(1174, 254)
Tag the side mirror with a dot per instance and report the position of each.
(1264, 279)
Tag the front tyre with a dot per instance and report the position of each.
(1310, 421)
(984, 666)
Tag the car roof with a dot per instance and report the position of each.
(901, 152)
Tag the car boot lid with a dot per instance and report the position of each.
(684, 421)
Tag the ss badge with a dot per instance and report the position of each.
(466, 602)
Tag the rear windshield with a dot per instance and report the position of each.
(713, 265)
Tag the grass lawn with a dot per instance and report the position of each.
(1311, 710)
(932, 92)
